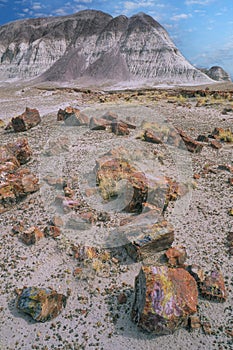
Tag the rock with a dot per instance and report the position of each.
(164, 299)
(213, 286)
(218, 73)
(147, 235)
(15, 186)
(82, 252)
(8, 159)
(206, 326)
(42, 304)
(72, 117)
(119, 128)
(226, 167)
(109, 175)
(150, 136)
(191, 144)
(117, 178)
(221, 134)
(230, 181)
(52, 231)
(202, 138)
(230, 212)
(27, 120)
(110, 116)
(58, 183)
(230, 242)
(215, 144)
(57, 146)
(122, 298)
(31, 235)
(227, 109)
(194, 322)
(98, 124)
(2, 124)
(21, 150)
(196, 272)
(66, 204)
(176, 256)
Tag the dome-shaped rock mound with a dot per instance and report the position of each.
(218, 73)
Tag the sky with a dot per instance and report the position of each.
(201, 29)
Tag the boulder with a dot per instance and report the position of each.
(42, 304)
(147, 235)
(27, 120)
(72, 116)
(116, 177)
(164, 299)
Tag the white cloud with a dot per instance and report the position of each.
(83, 1)
(133, 5)
(36, 6)
(181, 16)
(61, 12)
(198, 2)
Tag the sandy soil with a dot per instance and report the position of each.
(93, 319)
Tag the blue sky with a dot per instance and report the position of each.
(201, 29)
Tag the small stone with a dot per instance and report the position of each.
(42, 304)
(119, 128)
(194, 322)
(196, 176)
(202, 138)
(98, 124)
(213, 286)
(52, 231)
(122, 298)
(215, 144)
(206, 326)
(31, 236)
(2, 124)
(176, 256)
(150, 136)
(191, 144)
(221, 134)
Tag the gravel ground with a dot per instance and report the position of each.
(93, 319)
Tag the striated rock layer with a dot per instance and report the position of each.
(93, 45)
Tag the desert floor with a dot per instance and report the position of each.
(93, 318)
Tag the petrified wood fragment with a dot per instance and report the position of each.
(164, 299)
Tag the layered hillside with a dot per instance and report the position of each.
(217, 73)
(93, 45)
